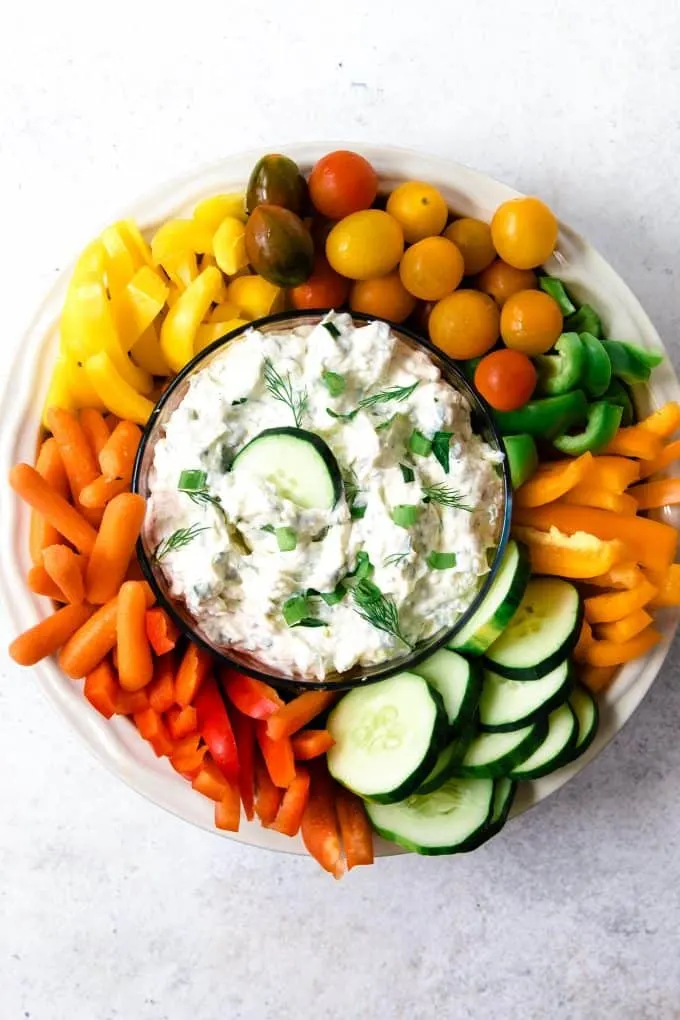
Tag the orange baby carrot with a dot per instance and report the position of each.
(50, 465)
(95, 428)
(101, 689)
(76, 453)
(101, 491)
(66, 570)
(94, 640)
(48, 635)
(117, 458)
(40, 583)
(35, 491)
(135, 664)
(115, 544)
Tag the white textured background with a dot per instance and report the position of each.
(110, 908)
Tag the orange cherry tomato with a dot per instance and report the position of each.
(342, 183)
(531, 321)
(420, 209)
(430, 269)
(524, 232)
(501, 281)
(323, 289)
(385, 297)
(465, 324)
(506, 379)
(473, 239)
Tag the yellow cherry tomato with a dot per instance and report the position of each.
(430, 269)
(501, 281)
(524, 232)
(420, 208)
(464, 324)
(385, 298)
(365, 244)
(531, 322)
(473, 238)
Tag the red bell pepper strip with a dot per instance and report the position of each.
(215, 728)
(267, 796)
(311, 744)
(320, 823)
(355, 828)
(161, 690)
(250, 696)
(152, 728)
(187, 756)
(228, 810)
(181, 721)
(210, 782)
(297, 713)
(244, 732)
(289, 816)
(161, 631)
(278, 756)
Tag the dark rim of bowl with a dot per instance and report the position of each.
(417, 656)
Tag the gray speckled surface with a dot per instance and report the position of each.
(110, 908)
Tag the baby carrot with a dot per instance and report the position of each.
(94, 640)
(135, 665)
(101, 688)
(76, 453)
(115, 544)
(48, 635)
(101, 491)
(117, 457)
(40, 583)
(35, 491)
(50, 465)
(95, 428)
(66, 570)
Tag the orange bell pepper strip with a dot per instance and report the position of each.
(636, 442)
(579, 556)
(615, 653)
(614, 473)
(289, 816)
(267, 795)
(585, 638)
(193, 669)
(609, 607)
(129, 702)
(210, 782)
(623, 575)
(355, 829)
(214, 725)
(228, 810)
(650, 495)
(667, 583)
(598, 678)
(278, 756)
(161, 631)
(664, 421)
(625, 628)
(244, 733)
(552, 482)
(649, 542)
(151, 726)
(669, 453)
(605, 499)
(188, 755)
(297, 713)
(181, 722)
(254, 698)
(101, 688)
(311, 744)
(161, 690)
(319, 829)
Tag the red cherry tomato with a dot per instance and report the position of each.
(323, 289)
(506, 379)
(342, 183)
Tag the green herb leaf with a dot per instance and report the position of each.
(295, 610)
(343, 417)
(441, 560)
(407, 473)
(440, 448)
(282, 389)
(445, 496)
(191, 480)
(392, 393)
(286, 538)
(386, 424)
(269, 528)
(334, 383)
(177, 540)
(332, 329)
(394, 559)
(241, 400)
(405, 515)
(357, 512)
(419, 444)
(377, 609)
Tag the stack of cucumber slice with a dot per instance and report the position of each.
(437, 753)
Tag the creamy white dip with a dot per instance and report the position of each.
(232, 575)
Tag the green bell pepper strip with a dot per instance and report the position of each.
(564, 370)
(558, 292)
(522, 458)
(584, 320)
(603, 422)
(598, 371)
(617, 393)
(631, 363)
(545, 418)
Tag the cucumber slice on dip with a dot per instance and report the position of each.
(297, 463)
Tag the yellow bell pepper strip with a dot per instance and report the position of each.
(664, 421)
(178, 332)
(636, 442)
(649, 542)
(181, 269)
(669, 453)
(135, 242)
(224, 312)
(120, 398)
(597, 678)
(175, 237)
(90, 264)
(578, 556)
(254, 296)
(209, 332)
(667, 583)
(58, 393)
(210, 260)
(585, 638)
(591, 495)
(212, 211)
(623, 575)
(614, 473)
(138, 304)
(80, 387)
(650, 495)
(615, 653)
(122, 259)
(552, 482)
(229, 245)
(147, 353)
(625, 628)
(614, 606)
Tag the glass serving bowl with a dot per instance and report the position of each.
(247, 661)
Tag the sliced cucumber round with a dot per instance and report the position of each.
(447, 761)
(509, 704)
(499, 606)
(458, 681)
(504, 791)
(542, 632)
(556, 749)
(587, 713)
(297, 463)
(437, 823)
(387, 737)
(493, 755)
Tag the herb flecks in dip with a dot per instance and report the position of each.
(360, 524)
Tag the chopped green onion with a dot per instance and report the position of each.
(310, 621)
(332, 598)
(334, 383)
(191, 481)
(295, 610)
(332, 329)
(364, 567)
(440, 448)
(558, 292)
(241, 400)
(286, 538)
(269, 528)
(357, 512)
(407, 473)
(441, 560)
(419, 444)
(405, 515)
(386, 424)
(343, 417)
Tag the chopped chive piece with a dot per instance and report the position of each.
(286, 538)
(419, 444)
(332, 329)
(334, 383)
(190, 481)
(407, 473)
(332, 598)
(440, 448)
(295, 610)
(441, 560)
(405, 515)
(241, 400)
(364, 567)
(386, 424)
(269, 528)
(558, 292)
(343, 417)
(310, 621)
(357, 512)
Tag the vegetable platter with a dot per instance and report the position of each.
(573, 371)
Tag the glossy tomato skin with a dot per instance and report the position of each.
(432, 268)
(276, 180)
(472, 237)
(324, 289)
(500, 281)
(524, 232)
(531, 321)
(506, 379)
(341, 183)
(383, 297)
(365, 244)
(464, 324)
(279, 246)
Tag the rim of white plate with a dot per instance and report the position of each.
(115, 743)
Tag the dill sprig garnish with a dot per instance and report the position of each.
(377, 609)
(177, 540)
(445, 496)
(394, 559)
(282, 389)
(392, 393)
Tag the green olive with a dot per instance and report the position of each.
(279, 246)
(276, 180)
